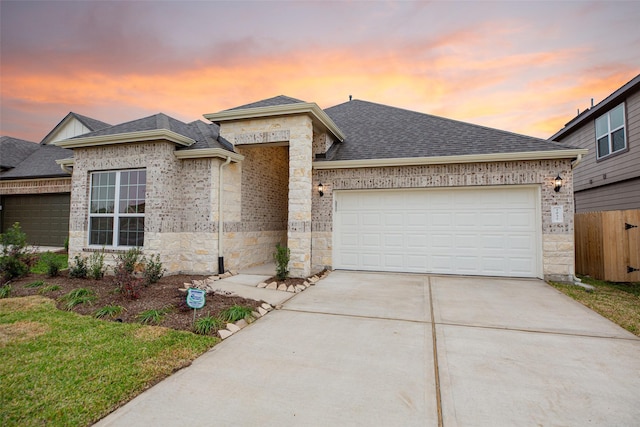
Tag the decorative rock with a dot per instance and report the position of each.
(314, 279)
(282, 287)
(233, 328)
(262, 285)
(272, 285)
(213, 278)
(242, 323)
(256, 314)
(290, 289)
(262, 311)
(267, 306)
(299, 288)
(187, 285)
(278, 307)
(224, 334)
(184, 291)
(234, 272)
(305, 284)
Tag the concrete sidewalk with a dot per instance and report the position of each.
(395, 349)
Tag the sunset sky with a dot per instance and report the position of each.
(521, 66)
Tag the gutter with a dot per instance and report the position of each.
(66, 165)
(220, 216)
(576, 162)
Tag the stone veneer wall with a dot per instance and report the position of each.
(181, 202)
(35, 186)
(557, 239)
(297, 131)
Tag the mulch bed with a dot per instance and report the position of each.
(163, 294)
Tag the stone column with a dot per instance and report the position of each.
(300, 191)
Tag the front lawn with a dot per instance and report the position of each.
(618, 302)
(61, 368)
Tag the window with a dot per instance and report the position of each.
(610, 134)
(116, 208)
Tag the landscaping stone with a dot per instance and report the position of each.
(256, 315)
(184, 291)
(223, 333)
(299, 288)
(232, 327)
(267, 306)
(272, 285)
(290, 288)
(233, 272)
(242, 323)
(282, 287)
(262, 285)
(306, 284)
(262, 311)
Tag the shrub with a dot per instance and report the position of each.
(205, 325)
(96, 265)
(126, 282)
(153, 316)
(282, 257)
(78, 269)
(109, 311)
(235, 313)
(49, 288)
(78, 296)
(153, 269)
(15, 259)
(129, 260)
(52, 263)
(5, 290)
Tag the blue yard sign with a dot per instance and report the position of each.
(195, 298)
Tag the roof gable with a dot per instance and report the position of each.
(72, 125)
(376, 131)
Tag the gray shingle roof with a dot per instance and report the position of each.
(375, 131)
(205, 135)
(14, 150)
(91, 124)
(39, 164)
(270, 102)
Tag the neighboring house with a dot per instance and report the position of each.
(608, 177)
(34, 190)
(358, 186)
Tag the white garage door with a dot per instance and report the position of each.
(479, 231)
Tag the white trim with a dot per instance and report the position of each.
(279, 110)
(209, 152)
(121, 138)
(470, 158)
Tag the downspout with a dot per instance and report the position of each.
(220, 217)
(576, 162)
(66, 169)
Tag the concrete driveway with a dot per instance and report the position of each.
(413, 350)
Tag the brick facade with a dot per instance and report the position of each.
(35, 186)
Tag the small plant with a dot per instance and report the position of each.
(52, 264)
(5, 290)
(77, 297)
(205, 325)
(235, 313)
(96, 266)
(15, 258)
(153, 270)
(109, 311)
(35, 284)
(66, 244)
(78, 269)
(48, 288)
(282, 257)
(129, 260)
(153, 316)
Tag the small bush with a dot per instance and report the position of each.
(282, 257)
(153, 270)
(109, 311)
(235, 313)
(96, 266)
(35, 284)
(207, 324)
(78, 296)
(129, 260)
(15, 259)
(12, 267)
(153, 316)
(78, 268)
(5, 291)
(48, 288)
(66, 244)
(51, 263)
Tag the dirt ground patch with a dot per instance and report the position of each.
(158, 296)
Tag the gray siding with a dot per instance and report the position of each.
(619, 196)
(621, 167)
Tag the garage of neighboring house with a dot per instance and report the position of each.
(43, 217)
(492, 231)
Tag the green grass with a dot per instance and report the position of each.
(5, 291)
(42, 267)
(205, 325)
(59, 368)
(153, 316)
(235, 313)
(618, 302)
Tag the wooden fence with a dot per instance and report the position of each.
(608, 245)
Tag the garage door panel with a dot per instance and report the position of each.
(44, 218)
(477, 231)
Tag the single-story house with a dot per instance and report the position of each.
(34, 190)
(359, 186)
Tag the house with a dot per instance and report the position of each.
(34, 190)
(359, 186)
(608, 177)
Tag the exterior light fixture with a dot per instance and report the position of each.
(321, 189)
(557, 183)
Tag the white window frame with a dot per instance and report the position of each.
(610, 132)
(116, 215)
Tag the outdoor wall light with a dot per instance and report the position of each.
(557, 183)
(321, 189)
